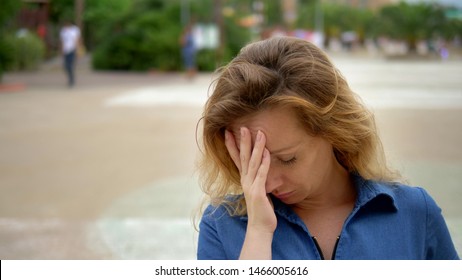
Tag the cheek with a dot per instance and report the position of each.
(294, 176)
(304, 173)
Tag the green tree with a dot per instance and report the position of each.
(99, 17)
(8, 11)
(235, 36)
(411, 22)
(61, 10)
(26, 49)
(273, 13)
(145, 38)
(340, 18)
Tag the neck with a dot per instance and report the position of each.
(336, 189)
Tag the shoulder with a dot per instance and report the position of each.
(415, 203)
(425, 212)
(222, 211)
(396, 197)
(213, 213)
(221, 234)
(414, 197)
(221, 218)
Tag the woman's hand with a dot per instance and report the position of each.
(253, 164)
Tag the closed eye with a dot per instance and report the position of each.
(288, 162)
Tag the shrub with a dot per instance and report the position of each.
(141, 41)
(8, 12)
(147, 37)
(24, 51)
(6, 54)
(206, 60)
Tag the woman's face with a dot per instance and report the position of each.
(301, 164)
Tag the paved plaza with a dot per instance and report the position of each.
(106, 170)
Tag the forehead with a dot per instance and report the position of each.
(280, 125)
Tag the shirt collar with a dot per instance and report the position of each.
(374, 195)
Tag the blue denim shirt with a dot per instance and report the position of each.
(387, 222)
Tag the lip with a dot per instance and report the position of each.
(283, 196)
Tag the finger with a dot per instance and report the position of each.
(257, 154)
(233, 151)
(245, 149)
(262, 173)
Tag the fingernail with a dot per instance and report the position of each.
(242, 132)
(259, 135)
(226, 134)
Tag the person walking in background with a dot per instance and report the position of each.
(188, 50)
(70, 39)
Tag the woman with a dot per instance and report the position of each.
(294, 168)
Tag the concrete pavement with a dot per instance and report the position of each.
(106, 170)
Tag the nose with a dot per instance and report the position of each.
(273, 181)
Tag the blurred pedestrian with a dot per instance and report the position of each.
(293, 167)
(70, 41)
(188, 50)
(443, 49)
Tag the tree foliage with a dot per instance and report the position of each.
(273, 13)
(8, 11)
(26, 49)
(61, 10)
(414, 22)
(340, 18)
(145, 38)
(143, 34)
(100, 15)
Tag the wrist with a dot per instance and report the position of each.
(259, 230)
(257, 244)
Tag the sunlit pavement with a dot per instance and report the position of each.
(106, 170)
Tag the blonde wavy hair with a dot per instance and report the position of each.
(294, 73)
